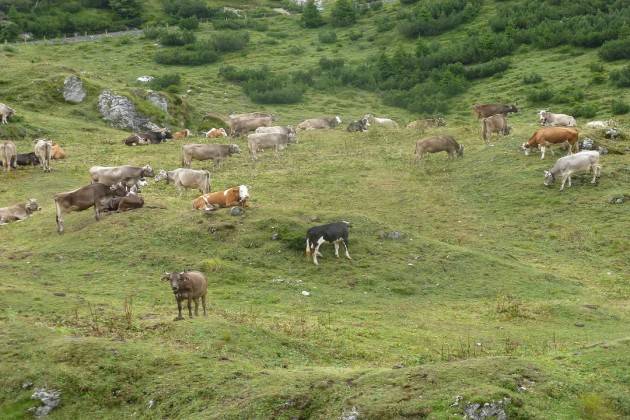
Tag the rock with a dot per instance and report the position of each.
(619, 199)
(145, 79)
(281, 11)
(314, 219)
(352, 414)
(275, 236)
(602, 151)
(496, 410)
(151, 404)
(612, 133)
(27, 385)
(73, 90)
(221, 227)
(49, 397)
(237, 211)
(122, 113)
(398, 366)
(579, 324)
(591, 306)
(305, 293)
(586, 144)
(60, 294)
(394, 235)
(158, 100)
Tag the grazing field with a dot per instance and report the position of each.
(497, 288)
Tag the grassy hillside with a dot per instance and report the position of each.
(498, 282)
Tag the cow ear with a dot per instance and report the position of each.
(166, 276)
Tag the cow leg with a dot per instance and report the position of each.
(59, 217)
(336, 249)
(196, 306)
(542, 149)
(203, 304)
(316, 253)
(596, 172)
(179, 309)
(97, 211)
(346, 247)
(190, 306)
(564, 179)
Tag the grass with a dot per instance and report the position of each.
(486, 292)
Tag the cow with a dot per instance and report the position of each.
(427, 123)
(438, 144)
(235, 196)
(26, 159)
(43, 151)
(385, 122)
(546, 118)
(552, 136)
(243, 125)
(94, 195)
(58, 152)
(215, 152)
(6, 112)
(8, 152)
(178, 135)
(214, 133)
(587, 160)
(319, 123)
(252, 115)
(149, 137)
(186, 178)
(288, 130)
(331, 233)
(488, 110)
(128, 175)
(257, 142)
(601, 124)
(130, 201)
(495, 124)
(18, 212)
(358, 126)
(189, 286)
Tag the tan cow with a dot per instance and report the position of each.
(178, 135)
(6, 112)
(18, 212)
(43, 151)
(8, 153)
(58, 152)
(495, 124)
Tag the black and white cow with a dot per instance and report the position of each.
(359, 125)
(331, 233)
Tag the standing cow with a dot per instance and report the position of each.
(495, 124)
(546, 137)
(488, 110)
(8, 153)
(6, 112)
(128, 175)
(189, 286)
(43, 151)
(243, 125)
(257, 142)
(186, 178)
(215, 152)
(438, 144)
(330, 233)
(587, 160)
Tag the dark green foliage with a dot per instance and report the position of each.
(264, 88)
(165, 81)
(295, 50)
(190, 55)
(9, 31)
(327, 37)
(126, 8)
(615, 50)
(596, 67)
(331, 64)
(384, 23)
(311, 17)
(619, 107)
(479, 71)
(532, 78)
(238, 23)
(153, 32)
(188, 8)
(234, 74)
(343, 13)
(584, 110)
(540, 95)
(432, 17)
(355, 35)
(621, 77)
(230, 41)
(177, 38)
(189, 23)
(408, 1)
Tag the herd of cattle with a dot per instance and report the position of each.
(117, 188)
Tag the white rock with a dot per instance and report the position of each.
(145, 79)
(305, 293)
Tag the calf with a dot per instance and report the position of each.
(257, 142)
(18, 212)
(438, 144)
(186, 178)
(235, 196)
(600, 124)
(495, 124)
(8, 152)
(566, 166)
(189, 286)
(214, 152)
(385, 122)
(360, 125)
(331, 233)
(43, 151)
(556, 136)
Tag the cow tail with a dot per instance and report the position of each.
(207, 182)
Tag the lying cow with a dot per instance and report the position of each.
(128, 175)
(547, 118)
(189, 286)
(6, 112)
(233, 116)
(43, 151)
(488, 110)
(585, 161)
(331, 233)
(358, 126)
(26, 159)
(214, 133)
(58, 152)
(178, 135)
(18, 212)
(385, 122)
(438, 144)
(495, 124)
(319, 123)
(149, 137)
(94, 195)
(427, 123)
(546, 137)
(8, 152)
(214, 152)
(235, 196)
(243, 125)
(130, 201)
(186, 178)
(288, 130)
(601, 124)
(257, 142)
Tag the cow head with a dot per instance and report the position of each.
(233, 148)
(549, 178)
(368, 117)
(11, 112)
(365, 123)
(119, 189)
(32, 206)
(177, 281)
(542, 117)
(513, 108)
(161, 175)
(525, 148)
(243, 193)
(292, 136)
(147, 170)
(338, 118)
(460, 150)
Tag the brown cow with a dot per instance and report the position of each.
(189, 286)
(58, 152)
(235, 196)
(552, 136)
(495, 124)
(178, 135)
(214, 133)
(8, 154)
(439, 144)
(488, 110)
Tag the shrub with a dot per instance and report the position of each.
(327, 37)
(355, 35)
(542, 94)
(596, 67)
(384, 24)
(189, 23)
(177, 38)
(433, 17)
(295, 50)
(192, 55)
(153, 32)
(233, 74)
(587, 110)
(331, 64)
(311, 17)
(598, 79)
(165, 81)
(9, 31)
(621, 77)
(343, 13)
(615, 50)
(619, 107)
(487, 69)
(230, 41)
(532, 78)
(126, 8)
(228, 24)
(274, 90)
(188, 8)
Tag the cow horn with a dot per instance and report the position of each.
(166, 275)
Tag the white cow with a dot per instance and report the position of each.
(556, 120)
(186, 178)
(587, 160)
(6, 112)
(600, 124)
(43, 151)
(385, 122)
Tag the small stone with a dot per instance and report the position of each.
(579, 324)
(237, 211)
(305, 293)
(60, 294)
(398, 366)
(73, 90)
(394, 235)
(590, 306)
(275, 236)
(27, 385)
(151, 404)
(314, 219)
(144, 79)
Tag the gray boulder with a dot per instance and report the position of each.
(158, 100)
(237, 211)
(122, 113)
(73, 90)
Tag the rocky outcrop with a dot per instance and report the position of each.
(158, 100)
(121, 112)
(73, 90)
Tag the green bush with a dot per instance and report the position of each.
(615, 50)
(165, 81)
(177, 37)
(586, 110)
(295, 50)
(532, 78)
(192, 55)
(433, 17)
(355, 35)
(9, 31)
(230, 41)
(343, 13)
(190, 23)
(540, 95)
(479, 71)
(188, 8)
(384, 24)
(311, 17)
(331, 64)
(621, 78)
(274, 90)
(153, 32)
(596, 67)
(327, 37)
(619, 107)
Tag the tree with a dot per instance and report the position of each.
(311, 18)
(126, 8)
(343, 13)
(9, 31)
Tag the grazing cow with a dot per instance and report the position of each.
(552, 136)
(8, 152)
(18, 212)
(587, 160)
(438, 144)
(359, 125)
(214, 133)
(243, 125)
(189, 286)
(128, 175)
(6, 112)
(149, 137)
(215, 152)
(601, 124)
(331, 233)
(495, 124)
(43, 151)
(235, 196)
(547, 118)
(319, 123)
(186, 178)
(288, 130)
(488, 110)
(181, 134)
(94, 195)
(257, 142)
(58, 152)
(427, 123)
(26, 159)
(385, 122)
